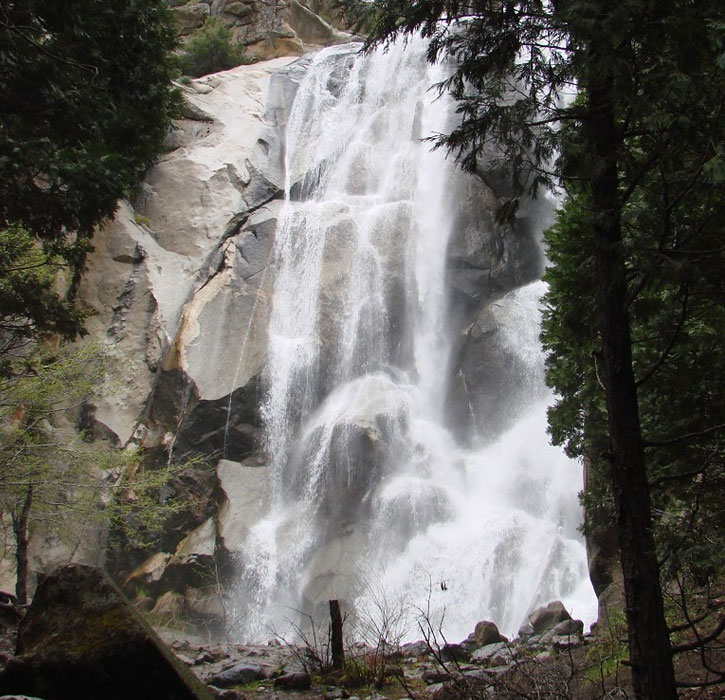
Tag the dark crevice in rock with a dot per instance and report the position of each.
(224, 427)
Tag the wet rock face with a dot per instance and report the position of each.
(486, 261)
(81, 640)
(487, 258)
(247, 494)
(207, 351)
(494, 372)
(226, 427)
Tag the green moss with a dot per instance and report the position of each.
(114, 626)
(256, 685)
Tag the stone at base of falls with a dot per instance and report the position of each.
(485, 633)
(548, 617)
(433, 676)
(293, 681)
(568, 628)
(239, 674)
(486, 653)
(226, 694)
(81, 640)
(455, 652)
(416, 649)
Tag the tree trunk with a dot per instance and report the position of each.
(649, 643)
(338, 648)
(20, 529)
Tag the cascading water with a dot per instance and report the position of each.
(372, 495)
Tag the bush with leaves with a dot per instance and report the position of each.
(47, 475)
(210, 50)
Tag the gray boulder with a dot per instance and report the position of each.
(569, 628)
(526, 630)
(434, 676)
(486, 653)
(293, 681)
(239, 674)
(546, 618)
(486, 633)
(415, 649)
(455, 652)
(225, 693)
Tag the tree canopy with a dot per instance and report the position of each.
(85, 103)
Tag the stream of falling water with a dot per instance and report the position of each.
(374, 501)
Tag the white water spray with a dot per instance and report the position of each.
(369, 486)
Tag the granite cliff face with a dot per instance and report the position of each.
(181, 269)
(266, 28)
(182, 285)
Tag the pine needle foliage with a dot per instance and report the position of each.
(85, 104)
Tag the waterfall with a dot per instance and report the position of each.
(372, 495)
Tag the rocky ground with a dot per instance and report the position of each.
(81, 640)
(560, 663)
(550, 655)
(551, 658)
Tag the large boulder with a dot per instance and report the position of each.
(238, 674)
(486, 633)
(247, 493)
(80, 640)
(293, 681)
(549, 616)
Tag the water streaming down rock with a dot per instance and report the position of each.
(373, 496)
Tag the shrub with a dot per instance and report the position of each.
(210, 50)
